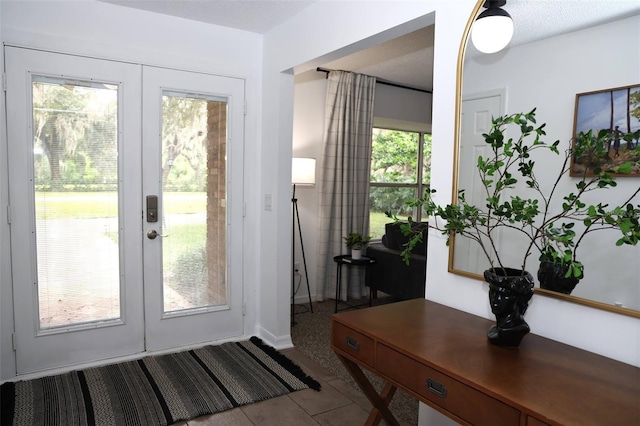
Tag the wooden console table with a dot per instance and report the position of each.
(442, 357)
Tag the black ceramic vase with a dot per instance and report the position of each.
(552, 277)
(509, 293)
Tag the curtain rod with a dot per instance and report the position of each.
(382, 81)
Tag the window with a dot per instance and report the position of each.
(400, 172)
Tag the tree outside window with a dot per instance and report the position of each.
(400, 172)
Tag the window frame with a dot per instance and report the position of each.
(419, 186)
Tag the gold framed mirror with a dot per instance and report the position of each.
(547, 71)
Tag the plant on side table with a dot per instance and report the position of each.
(505, 175)
(356, 242)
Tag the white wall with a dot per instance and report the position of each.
(308, 125)
(603, 332)
(122, 33)
(611, 273)
(395, 103)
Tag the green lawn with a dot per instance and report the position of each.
(89, 205)
(184, 240)
(376, 224)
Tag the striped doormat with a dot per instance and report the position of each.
(158, 390)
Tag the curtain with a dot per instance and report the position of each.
(344, 178)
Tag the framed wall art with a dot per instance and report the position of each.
(614, 114)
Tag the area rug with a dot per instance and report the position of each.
(158, 390)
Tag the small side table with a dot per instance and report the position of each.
(345, 259)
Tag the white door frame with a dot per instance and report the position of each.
(132, 228)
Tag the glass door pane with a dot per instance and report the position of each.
(192, 142)
(193, 210)
(75, 165)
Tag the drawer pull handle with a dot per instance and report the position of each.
(437, 388)
(353, 343)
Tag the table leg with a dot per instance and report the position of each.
(369, 279)
(380, 402)
(387, 394)
(338, 282)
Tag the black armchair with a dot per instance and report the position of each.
(390, 274)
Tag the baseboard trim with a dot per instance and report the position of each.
(278, 342)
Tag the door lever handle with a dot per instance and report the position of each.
(153, 234)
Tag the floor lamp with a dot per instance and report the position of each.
(303, 173)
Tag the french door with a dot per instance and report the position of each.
(122, 224)
(193, 246)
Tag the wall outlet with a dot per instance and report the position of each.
(296, 266)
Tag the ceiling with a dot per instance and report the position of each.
(407, 60)
(257, 16)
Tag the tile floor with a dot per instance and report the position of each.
(337, 404)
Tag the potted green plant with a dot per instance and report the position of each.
(356, 242)
(528, 211)
(560, 270)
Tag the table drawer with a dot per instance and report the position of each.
(448, 393)
(532, 421)
(351, 342)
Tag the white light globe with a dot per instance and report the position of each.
(491, 34)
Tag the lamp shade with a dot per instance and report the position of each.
(303, 171)
(492, 30)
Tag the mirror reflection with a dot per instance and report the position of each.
(548, 73)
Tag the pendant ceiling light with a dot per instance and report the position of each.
(493, 29)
